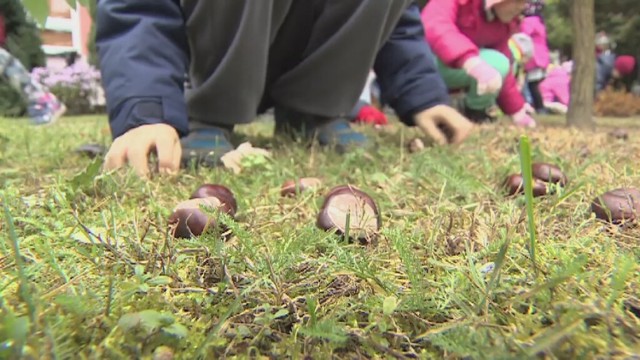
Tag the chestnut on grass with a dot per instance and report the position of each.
(190, 220)
(619, 134)
(617, 205)
(543, 175)
(415, 145)
(221, 192)
(549, 173)
(515, 185)
(292, 187)
(346, 201)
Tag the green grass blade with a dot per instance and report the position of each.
(551, 337)
(525, 161)
(25, 294)
(623, 269)
(499, 263)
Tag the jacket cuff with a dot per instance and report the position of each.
(461, 60)
(428, 97)
(135, 112)
(511, 107)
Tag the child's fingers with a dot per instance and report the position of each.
(430, 128)
(116, 156)
(169, 151)
(138, 155)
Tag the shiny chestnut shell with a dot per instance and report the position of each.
(515, 185)
(292, 187)
(364, 219)
(617, 205)
(190, 220)
(549, 173)
(221, 192)
(619, 134)
(415, 145)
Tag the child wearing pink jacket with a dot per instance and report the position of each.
(555, 89)
(471, 41)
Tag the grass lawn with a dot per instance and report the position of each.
(281, 288)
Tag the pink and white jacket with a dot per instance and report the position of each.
(534, 27)
(556, 86)
(457, 29)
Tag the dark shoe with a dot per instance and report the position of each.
(91, 150)
(479, 116)
(205, 146)
(334, 132)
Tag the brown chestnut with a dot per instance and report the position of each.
(415, 145)
(515, 185)
(633, 306)
(190, 220)
(363, 215)
(549, 173)
(292, 188)
(619, 134)
(617, 205)
(223, 193)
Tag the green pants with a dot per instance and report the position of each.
(458, 79)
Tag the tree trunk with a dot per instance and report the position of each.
(584, 64)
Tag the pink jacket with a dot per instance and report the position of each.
(456, 29)
(556, 86)
(533, 26)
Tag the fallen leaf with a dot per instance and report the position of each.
(233, 159)
(81, 236)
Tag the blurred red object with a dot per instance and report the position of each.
(368, 114)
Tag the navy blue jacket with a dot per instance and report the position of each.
(143, 53)
(604, 69)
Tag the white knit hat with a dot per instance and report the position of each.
(525, 44)
(602, 39)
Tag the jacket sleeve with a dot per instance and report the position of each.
(143, 54)
(3, 31)
(406, 69)
(451, 46)
(604, 68)
(510, 99)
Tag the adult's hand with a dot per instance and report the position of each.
(134, 147)
(444, 124)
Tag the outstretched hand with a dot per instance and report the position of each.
(134, 147)
(444, 124)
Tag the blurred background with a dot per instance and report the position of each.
(55, 41)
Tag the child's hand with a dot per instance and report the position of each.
(489, 79)
(135, 145)
(523, 119)
(444, 124)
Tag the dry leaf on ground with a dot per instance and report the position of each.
(233, 159)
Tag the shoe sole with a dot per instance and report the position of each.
(201, 158)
